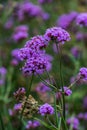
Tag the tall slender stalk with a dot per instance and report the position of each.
(61, 77)
(2, 124)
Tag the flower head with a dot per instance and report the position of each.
(74, 122)
(46, 109)
(32, 124)
(57, 34)
(17, 107)
(20, 33)
(65, 20)
(36, 65)
(36, 43)
(82, 19)
(67, 91)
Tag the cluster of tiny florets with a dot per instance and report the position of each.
(57, 34)
(36, 65)
(82, 19)
(46, 109)
(36, 43)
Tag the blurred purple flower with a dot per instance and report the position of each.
(32, 124)
(67, 91)
(17, 107)
(74, 122)
(80, 116)
(29, 10)
(81, 19)
(46, 109)
(65, 20)
(20, 33)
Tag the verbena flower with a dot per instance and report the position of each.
(82, 76)
(83, 73)
(29, 10)
(82, 19)
(46, 109)
(65, 20)
(80, 116)
(20, 33)
(25, 53)
(14, 53)
(67, 91)
(32, 124)
(57, 34)
(17, 107)
(36, 43)
(74, 122)
(36, 65)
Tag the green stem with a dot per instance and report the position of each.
(46, 83)
(58, 45)
(56, 114)
(1, 120)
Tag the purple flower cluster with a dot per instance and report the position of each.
(15, 110)
(44, 1)
(82, 76)
(32, 124)
(36, 65)
(37, 61)
(67, 91)
(36, 43)
(41, 88)
(57, 34)
(74, 122)
(20, 33)
(46, 109)
(82, 116)
(65, 20)
(83, 73)
(3, 72)
(29, 10)
(17, 107)
(81, 19)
